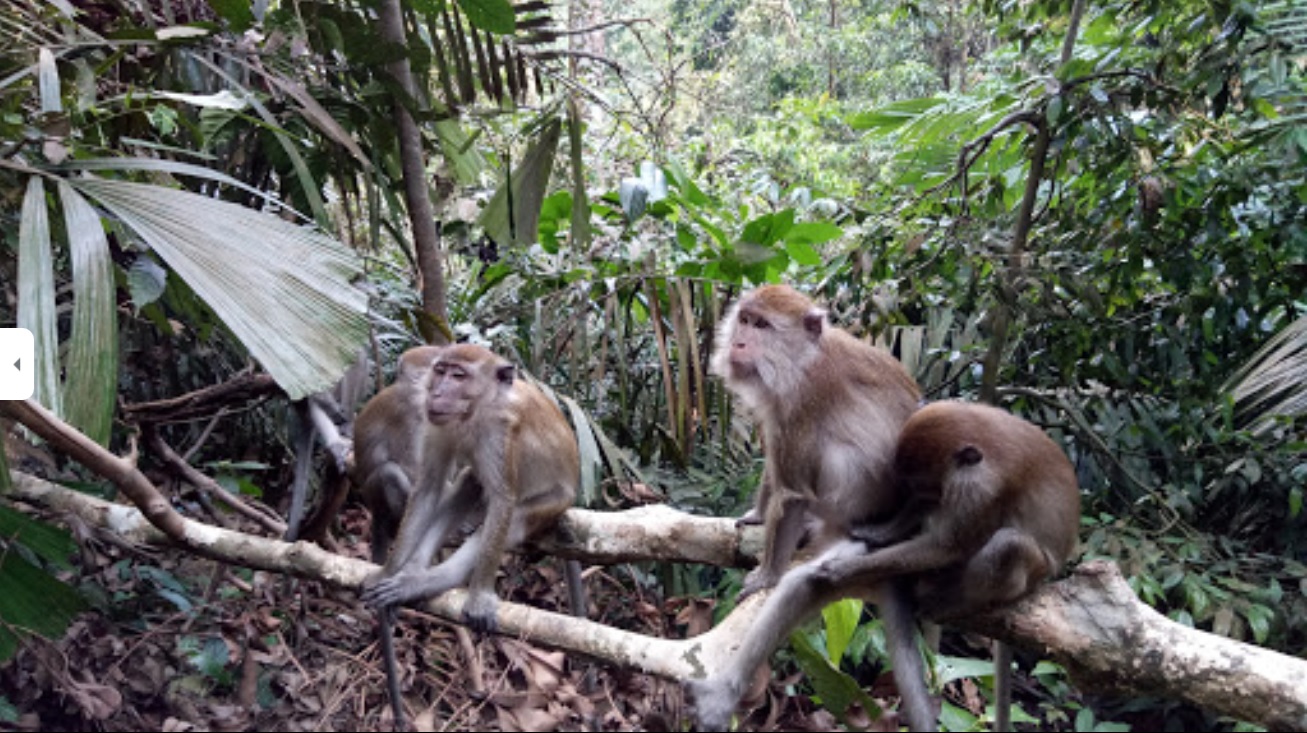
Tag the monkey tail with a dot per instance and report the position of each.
(386, 619)
(909, 668)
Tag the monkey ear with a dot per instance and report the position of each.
(814, 321)
(506, 373)
(968, 455)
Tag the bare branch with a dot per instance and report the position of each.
(1090, 622)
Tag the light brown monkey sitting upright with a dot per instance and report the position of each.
(523, 470)
(830, 408)
(993, 510)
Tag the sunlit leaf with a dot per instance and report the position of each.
(841, 619)
(284, 290)
(36, 302)
(91, 377)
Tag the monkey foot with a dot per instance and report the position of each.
(479, 613)
(714, 702)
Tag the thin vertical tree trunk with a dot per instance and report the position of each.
(1021, 234)
(426, 237)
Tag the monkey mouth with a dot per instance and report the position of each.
(441, 418)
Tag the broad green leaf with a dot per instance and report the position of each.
(893, 116)
(284, 290)
(146, 281)
(581, 234)
(51, 544)
(48, 80)
(948, 669)
(841, 620)
(530, 181)
(803, 253)
(494, 16)
(591, 459)
(836, 689)
(91, 374)
(813, 232)
(33, 602)
(36, 303)
(768, 229)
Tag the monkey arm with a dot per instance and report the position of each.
(496, 468)
(922, 553)
(905, 523)
(785, 523)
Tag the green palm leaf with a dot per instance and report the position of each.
(92, 369)
(1272, 383)
(283, 290)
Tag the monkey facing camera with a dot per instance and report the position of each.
(992, 511)
(523, 472)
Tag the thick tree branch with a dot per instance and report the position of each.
(1091, 622)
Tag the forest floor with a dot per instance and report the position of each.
(181, 643)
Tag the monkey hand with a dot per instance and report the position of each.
(479, 612)
(380, 591)
(753, 516)
(757, 579)
(873, 536)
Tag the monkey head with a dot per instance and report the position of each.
(766, 340)
(415, 364)
(465, 377)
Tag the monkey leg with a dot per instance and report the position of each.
(758, 513)
(784, 530)
(798, 595)
(387, 491)
(919, 554)
(1009, 566)
(416, 585)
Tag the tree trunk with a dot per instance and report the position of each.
(422, 217)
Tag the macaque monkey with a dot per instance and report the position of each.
(830, 409)
(993, 510)
(389, 434)
(522, 470)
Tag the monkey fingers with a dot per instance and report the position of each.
(389, 591)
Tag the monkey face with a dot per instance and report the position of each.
(451, 393)
(746, 341)
(463, 378)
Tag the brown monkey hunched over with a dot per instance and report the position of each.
(993, 511)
